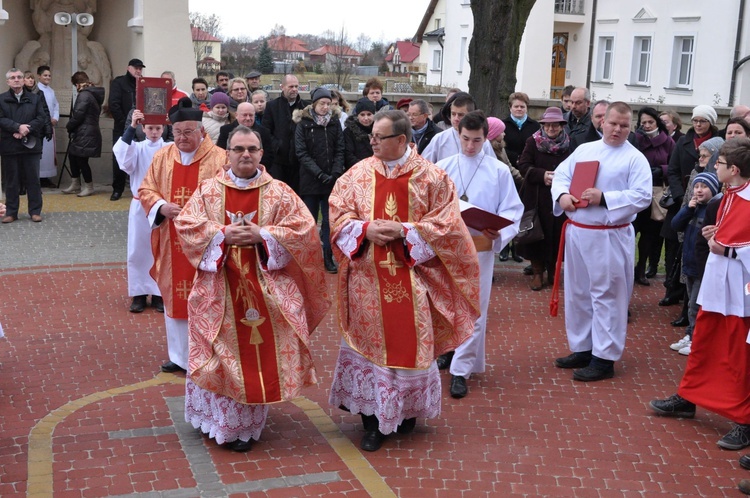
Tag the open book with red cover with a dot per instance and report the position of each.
(479, 219)
(584, 176)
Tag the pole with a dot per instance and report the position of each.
(74, 50)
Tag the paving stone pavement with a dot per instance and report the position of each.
(85, 413)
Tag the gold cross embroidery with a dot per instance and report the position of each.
(183, 289)
(391, 263)
(182, 195)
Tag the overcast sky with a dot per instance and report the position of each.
(388, 20)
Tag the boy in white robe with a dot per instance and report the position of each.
(600, 246)
(134, 158)
(486, 183)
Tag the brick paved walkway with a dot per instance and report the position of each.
(84, 413)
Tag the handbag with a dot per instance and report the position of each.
(666, 199)
(529, 228)
(658, 213)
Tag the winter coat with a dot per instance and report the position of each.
(83, 125)
(533, 164)
(515, 139)
(13, 113)
(320, 151)
(690, 221)
(266, 140)
(121, 100)
(356, 142)
(212, 124)
(277, 118)
(657, 151)
(425, 139)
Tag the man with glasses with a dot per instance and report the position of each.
(172, 178)
(258, 295)
(408, 282)
(422, 127)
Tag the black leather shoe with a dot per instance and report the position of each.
(407, 426)
(503, 257)
(745, 462)
(138, 304)
(669, 301)
(458, 387)
(240, 445)
(115, 196)
(157, 303)
(372, 440)
(744, 486)
(642, 280)
(651, 272)
(574, 360)
(170, 367)
(593, 373)
(517, 258)
(680, 322)
(444, 360)
(528, 270)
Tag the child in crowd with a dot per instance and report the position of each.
(218, 116)
(716, 376)
(690, 221)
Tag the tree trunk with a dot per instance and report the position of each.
(493, 51)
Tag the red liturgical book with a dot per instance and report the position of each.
(153, 97)
(479, 219)
(584, 176)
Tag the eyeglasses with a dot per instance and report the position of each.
(704, 156)
(239, 149)
(723, 163)
(186, 133)
(377, 139)
(415, 115)
(699, 121)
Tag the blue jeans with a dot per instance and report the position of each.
(319, 203)
(693, 286)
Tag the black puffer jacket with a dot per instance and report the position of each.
(83, 126)
(13, 113)
(320, 151)
(356, 142)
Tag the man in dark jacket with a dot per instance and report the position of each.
(278, 119)
(22, 121)
(121, 101)
(246, 117)
(579, 117)
(594, 130)
(422, 128)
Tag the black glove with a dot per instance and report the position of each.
(325, 178)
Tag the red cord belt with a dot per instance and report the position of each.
(555, 299)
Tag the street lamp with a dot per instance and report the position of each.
(64, 19)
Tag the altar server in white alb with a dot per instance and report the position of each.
(485, 182)
(47, 167)
(446, 143)
(600, 245)
(134, 158)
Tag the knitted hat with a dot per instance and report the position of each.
(497, 127)
(184, 111)
(709, 180)
(364, 104)
(706, 112)
(219, 98)
(712, 145)
(320, 93)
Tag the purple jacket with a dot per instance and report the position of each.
(657, 151)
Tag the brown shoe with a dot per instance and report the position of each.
(537, 282)
(9, 219)
(36, 218)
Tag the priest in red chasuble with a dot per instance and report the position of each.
(172, 178)
(408, 282)
(258, 295)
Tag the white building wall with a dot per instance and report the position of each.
(430, 45)
(533, 71)
(458, 31)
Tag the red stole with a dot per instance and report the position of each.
(734, 211)
(256, 341)
(396, 289)
(184, 183)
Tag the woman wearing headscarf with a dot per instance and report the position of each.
(652, 139)
(544, 151)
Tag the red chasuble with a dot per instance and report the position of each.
(184, 183)
(256, 339)
(397, 294)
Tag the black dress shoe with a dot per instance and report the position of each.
(503, 257)
(680, 322)
(745, 462)
(407, 426)
(372, 440)
(444, 360)
(669, 301)
(528, 270)
(240, 445)
(171, 367)
(574, 360)
(651, 272)
(158, 303)
(115, 196)
(642, 280)
(46, 183)
(458, 387)
(517, 258)
(138, 304)
(594, 372)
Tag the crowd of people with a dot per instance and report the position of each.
(386, 185)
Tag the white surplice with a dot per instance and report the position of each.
(446, 144)
(47, 168)
(488, 185)
(599, 262)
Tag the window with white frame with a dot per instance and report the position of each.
(209, 49)
(682, 62)
(605, 58)
(438, 23)
(462, 53)
(641, 69)
(437, 59)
